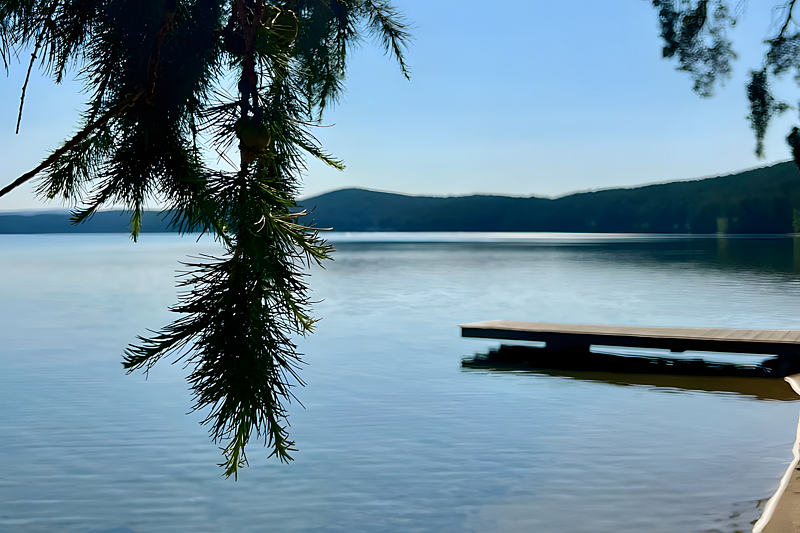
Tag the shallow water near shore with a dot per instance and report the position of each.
(395, 435)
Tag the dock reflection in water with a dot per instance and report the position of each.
(712, 373)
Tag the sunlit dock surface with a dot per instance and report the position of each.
(572, 336)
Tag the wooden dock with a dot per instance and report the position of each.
(575, 336)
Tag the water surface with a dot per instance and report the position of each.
(395, 435)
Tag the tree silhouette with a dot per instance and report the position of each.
(168, 83)
(695, 34)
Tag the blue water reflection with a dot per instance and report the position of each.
(394, 435)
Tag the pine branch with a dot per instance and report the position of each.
(789, 8)
(388, 25)
(155, 54)
(46, 19)
(27, 78)
(114, 112)
(151, 67)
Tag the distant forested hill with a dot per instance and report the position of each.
(102, 222)
(765, 200)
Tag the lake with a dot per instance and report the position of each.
(394, 435)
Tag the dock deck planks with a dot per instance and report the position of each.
(565, 336)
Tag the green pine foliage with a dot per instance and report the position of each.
(169, 82)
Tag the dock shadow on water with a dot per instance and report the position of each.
(759, 377)
(750, 377)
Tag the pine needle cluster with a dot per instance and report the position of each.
(169, 82)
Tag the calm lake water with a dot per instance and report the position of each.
(395, 435)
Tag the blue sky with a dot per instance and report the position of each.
(531, 98)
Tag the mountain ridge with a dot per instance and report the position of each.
(764, 200)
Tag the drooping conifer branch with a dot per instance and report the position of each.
(155, 69)
(46, 19)
(81, 136)
(155, 55)
(25, 85)
(127, 102)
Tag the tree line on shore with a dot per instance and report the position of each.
(760, 201)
